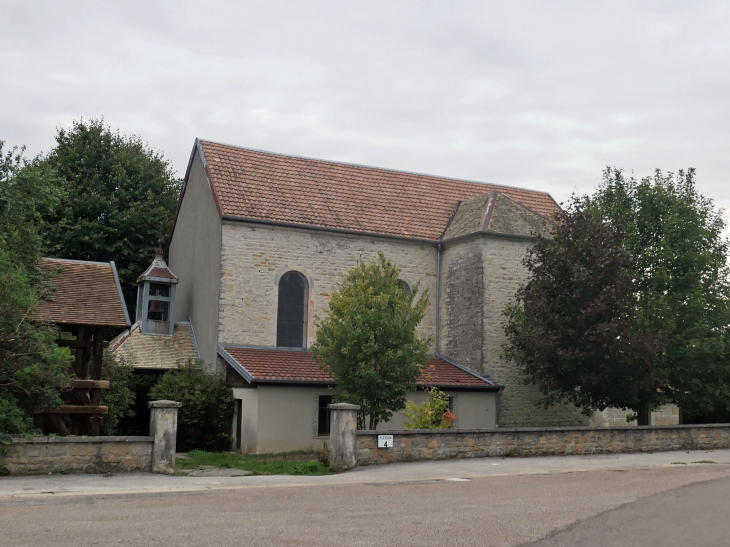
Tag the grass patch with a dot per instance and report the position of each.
(679, 463)
(288, 463)
(704, 461)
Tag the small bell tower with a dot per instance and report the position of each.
(156, 297)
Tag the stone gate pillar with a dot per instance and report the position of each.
(343, 436)
(163, 427)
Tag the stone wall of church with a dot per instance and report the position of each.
(254, 257)
(503, 274)
(462, 302)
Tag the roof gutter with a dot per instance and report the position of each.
(234, 218)
(438, 299)
(324, 229)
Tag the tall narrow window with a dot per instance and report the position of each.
(291, 319)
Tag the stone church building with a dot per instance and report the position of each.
(260, 241)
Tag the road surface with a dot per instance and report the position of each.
(609, 504)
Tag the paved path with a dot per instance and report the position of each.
(409, 504)
(133, 483)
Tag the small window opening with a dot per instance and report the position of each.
(323, 416)
(158, 310)
(158, 289)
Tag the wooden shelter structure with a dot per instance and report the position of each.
(88, 298)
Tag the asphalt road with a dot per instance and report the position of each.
(588, 506)
(697, 515)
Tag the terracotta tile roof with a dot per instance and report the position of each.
(87, 293)
(157, 270)
(266, 186)
(262, 365)
(149, 351)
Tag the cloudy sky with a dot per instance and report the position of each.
(534, 94)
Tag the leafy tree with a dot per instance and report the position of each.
(573, 330)
(681, 281)
(119, 197)
(29, 190)
(32, 366)
(205, 418)
(368, 343)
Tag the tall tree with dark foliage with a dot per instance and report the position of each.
(574, 330)
(119, 196)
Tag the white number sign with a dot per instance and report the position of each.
(385, 441)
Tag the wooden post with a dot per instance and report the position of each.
(79, 352)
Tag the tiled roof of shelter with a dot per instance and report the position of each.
(275, 365)
(253, 184)
(87, 293)
(150, 351)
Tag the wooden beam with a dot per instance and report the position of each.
(73, 409)
(79, 351)
(60, 426)
(73, 344)
(86, 361)
(89, 384)
(98, 351)
(83, 397)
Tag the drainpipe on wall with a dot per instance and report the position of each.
(438, 299)
(496, 410)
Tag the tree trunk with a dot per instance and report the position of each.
(643, 417)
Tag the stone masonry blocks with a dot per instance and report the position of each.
(426, 445)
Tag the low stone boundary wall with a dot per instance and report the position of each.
(36, 455)
(554, 441)
(156, 453)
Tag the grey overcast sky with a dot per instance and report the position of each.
(534, 94)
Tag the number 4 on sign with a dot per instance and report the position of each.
(385, 441)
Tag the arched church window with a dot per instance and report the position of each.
(291, 318)
(403, 285)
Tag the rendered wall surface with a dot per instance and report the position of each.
(195, 253)
(446, 444)
(254, 257)
(249, 418)
(284, 418)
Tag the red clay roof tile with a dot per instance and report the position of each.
(298, 366)
(86, 293)
(266, 186)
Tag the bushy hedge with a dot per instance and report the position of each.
(119, 398)
(205, 419)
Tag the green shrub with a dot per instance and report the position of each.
(138, 423)
(119, 398)
(433, 413)
(205, 419)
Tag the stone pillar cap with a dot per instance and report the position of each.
(343, 406)
(164, 404)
